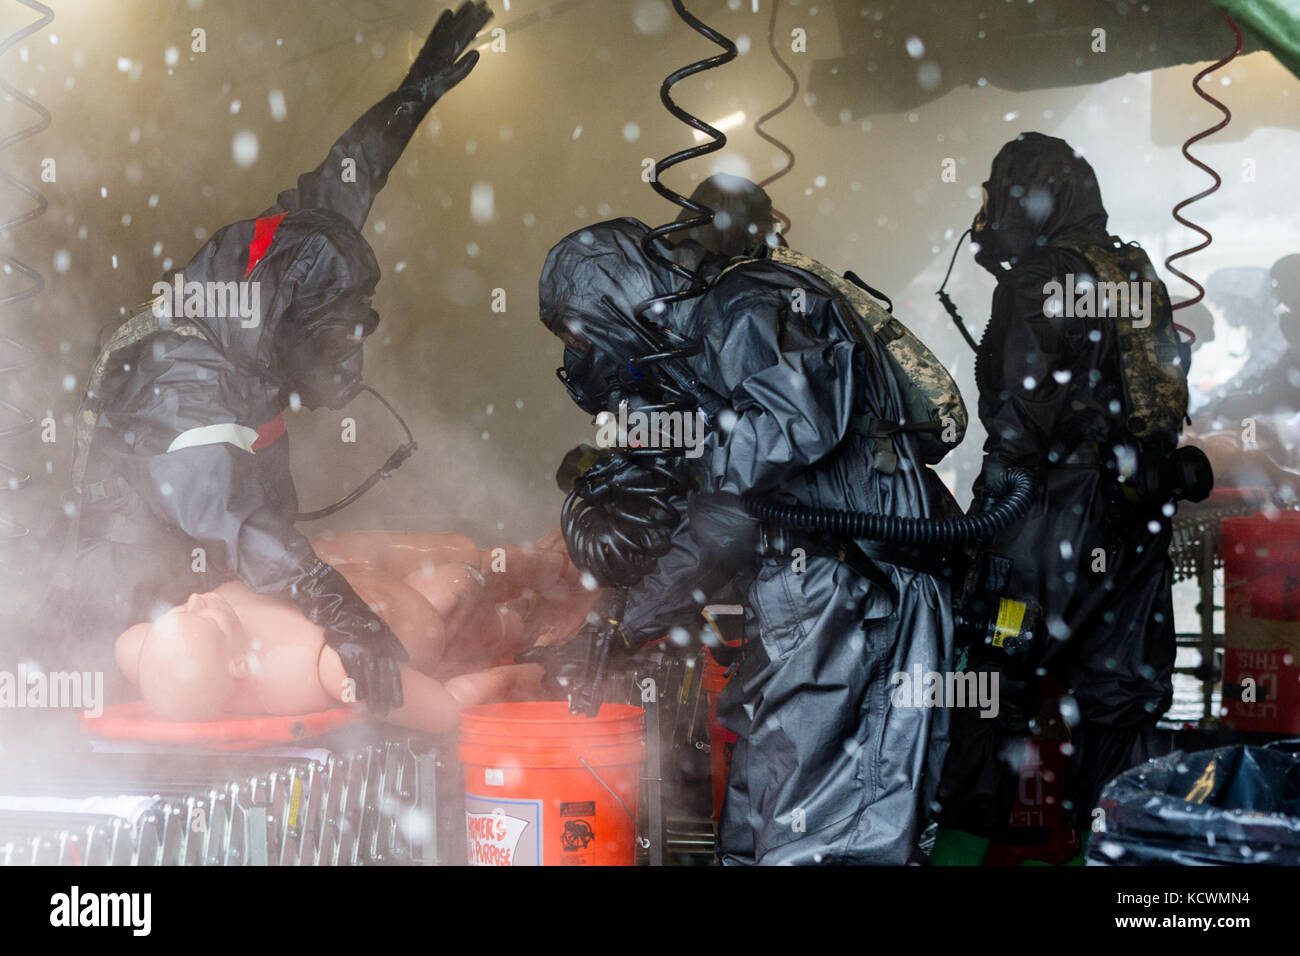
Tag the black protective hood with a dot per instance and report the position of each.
(592, 283)
(1040, 193)
(317, 270)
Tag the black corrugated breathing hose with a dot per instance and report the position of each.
(1013, 492)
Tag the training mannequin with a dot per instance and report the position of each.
(460, 613)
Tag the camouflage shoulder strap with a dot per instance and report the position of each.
(144, 321)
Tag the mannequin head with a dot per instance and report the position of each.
(191, 658)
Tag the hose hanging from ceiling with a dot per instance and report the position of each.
(618, 517)
(17, 420)
(1218, 181)
(776, 111)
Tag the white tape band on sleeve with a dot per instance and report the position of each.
(227, 433)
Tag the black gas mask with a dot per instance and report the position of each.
(594, 380)
(989, 252)
(324, 368)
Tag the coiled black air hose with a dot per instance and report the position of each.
(619, 518)
(1013, 492)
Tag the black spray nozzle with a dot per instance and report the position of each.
(393, 462)
(946, 300)
(587, 692)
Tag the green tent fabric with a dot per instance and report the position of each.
(1275, 22)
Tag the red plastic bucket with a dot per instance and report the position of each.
(533, 784)
(1037, 829)
(721, 740)
(1261, 658)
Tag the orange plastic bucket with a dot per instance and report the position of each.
(533, 784)
(721, 740)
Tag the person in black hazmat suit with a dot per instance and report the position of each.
(181, 442)
(1094, 556)
(825, 769)
(1275, 389)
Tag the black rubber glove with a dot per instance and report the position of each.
(576, 669)
(370, 652)
(436, 69)
(562, 664)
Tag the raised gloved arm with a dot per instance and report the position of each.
(374, 142)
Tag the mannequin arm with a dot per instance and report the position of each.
(432, 705)
(396, 552)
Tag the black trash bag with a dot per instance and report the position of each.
(1229, 806)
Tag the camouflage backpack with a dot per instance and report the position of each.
(935, 412)
(1153, 359)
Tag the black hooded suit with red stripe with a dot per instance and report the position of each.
(189, 451)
